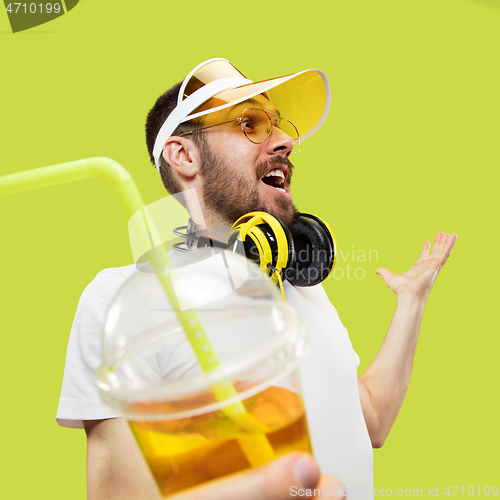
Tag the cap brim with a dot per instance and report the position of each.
(303, 98)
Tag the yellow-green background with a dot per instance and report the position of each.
(411, 146)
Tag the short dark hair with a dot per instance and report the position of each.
(162, 108)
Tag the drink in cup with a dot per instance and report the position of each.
(185, 452)
(197, 417)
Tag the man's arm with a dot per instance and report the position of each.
(116, 469)
(383, 385)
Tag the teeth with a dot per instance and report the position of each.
(276, 173)
(281, 189)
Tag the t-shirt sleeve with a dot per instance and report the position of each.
(79, 399)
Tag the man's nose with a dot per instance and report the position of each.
(279, 143)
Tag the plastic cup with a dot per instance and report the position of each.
(193, 423)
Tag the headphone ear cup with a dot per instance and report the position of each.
(266, 240)
(315, 251)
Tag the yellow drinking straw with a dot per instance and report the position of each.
(255, 445)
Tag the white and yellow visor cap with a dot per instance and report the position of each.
(303, 98)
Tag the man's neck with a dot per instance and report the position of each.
(212, 231)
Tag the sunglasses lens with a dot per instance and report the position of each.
(256, 125)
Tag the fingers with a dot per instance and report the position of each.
(443, 241)
(385, 273)
(424, 252)
(443, 246)
(451, 242)
(331, 487)
(447, 248)
(437, 241)
(274, 481)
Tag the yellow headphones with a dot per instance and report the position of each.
(304, 253)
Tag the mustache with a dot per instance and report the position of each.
(276, 161)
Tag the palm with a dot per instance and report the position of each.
(419, 279)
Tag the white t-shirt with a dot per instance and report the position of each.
(328, 372)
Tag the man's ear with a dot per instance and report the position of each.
(183, 156)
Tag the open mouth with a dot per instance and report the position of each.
(276, 179)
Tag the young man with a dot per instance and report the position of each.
(231, 140)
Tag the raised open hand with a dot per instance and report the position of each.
(418, 281)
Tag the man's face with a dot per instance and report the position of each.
(239, 176)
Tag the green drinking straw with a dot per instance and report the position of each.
(255, 445)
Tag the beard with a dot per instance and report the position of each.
(230, 195)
